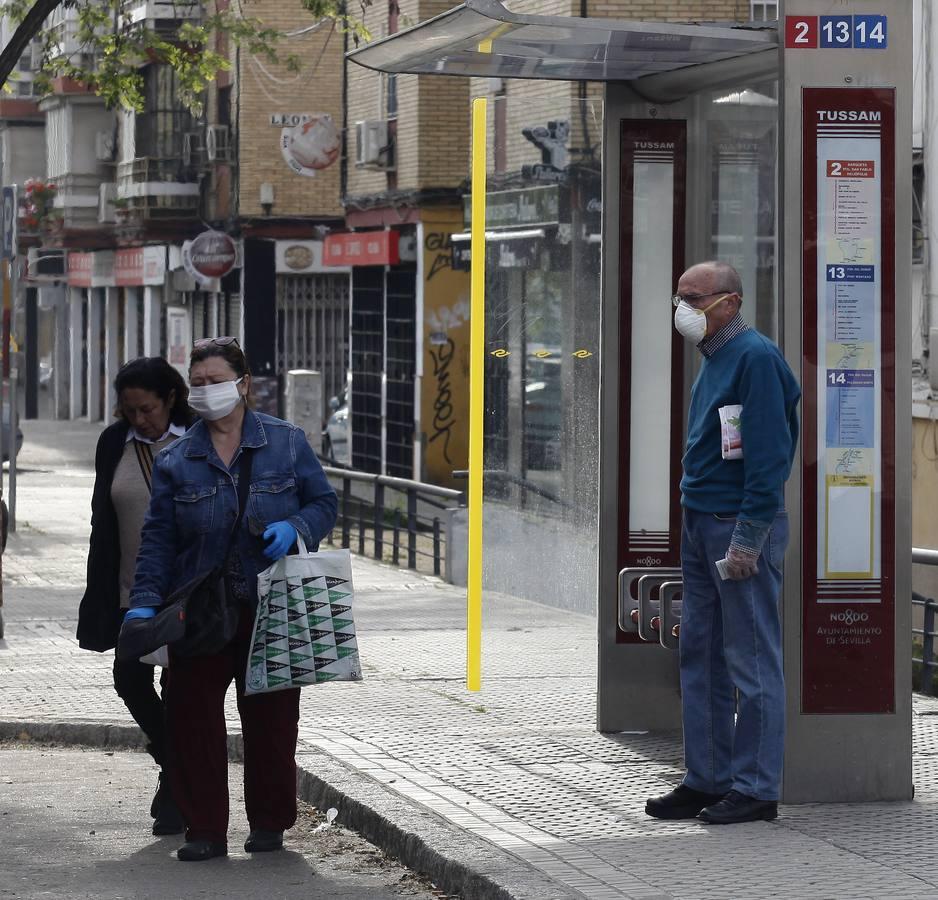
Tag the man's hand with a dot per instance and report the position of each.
(740, 565)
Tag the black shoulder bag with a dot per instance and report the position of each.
(201, 616)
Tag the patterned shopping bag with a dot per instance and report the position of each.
(304, 632)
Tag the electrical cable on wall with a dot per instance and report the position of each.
(304, 76)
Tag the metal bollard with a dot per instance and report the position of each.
(436, 545)
(361, 529)
(396, 538)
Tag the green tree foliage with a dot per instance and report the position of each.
(108, 49)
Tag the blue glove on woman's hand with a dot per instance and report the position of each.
(281, 536)
(140, 612)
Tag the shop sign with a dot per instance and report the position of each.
(178, 338)
(300, 257)
(213, 254)
(363, 248)
(522, 208)
(8, 240)
(521, 253)
(80, 269)
(289, 120)
(310, 145)
(551, 139)
(135, 266)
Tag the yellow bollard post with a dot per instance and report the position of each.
(476, 399)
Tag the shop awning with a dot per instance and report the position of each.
(483, 38)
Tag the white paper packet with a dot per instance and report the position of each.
(731, 439)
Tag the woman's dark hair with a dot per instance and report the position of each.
(230, 352)
(155, 374)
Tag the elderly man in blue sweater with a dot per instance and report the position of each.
(731, 645)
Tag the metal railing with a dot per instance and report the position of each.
(927, 632)
(389, 516)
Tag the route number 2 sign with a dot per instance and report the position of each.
(836, 32)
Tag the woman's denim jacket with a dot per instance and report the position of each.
(194, 502)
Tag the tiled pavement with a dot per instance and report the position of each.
(517, 766)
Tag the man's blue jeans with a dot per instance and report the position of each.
(731, 638)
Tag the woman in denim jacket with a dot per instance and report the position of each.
(193, 509)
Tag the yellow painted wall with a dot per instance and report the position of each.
(924, 501)
(444, 393)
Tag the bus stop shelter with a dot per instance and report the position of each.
(785, 151)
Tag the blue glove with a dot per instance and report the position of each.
(281, 536)
(140, 612)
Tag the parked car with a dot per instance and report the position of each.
(336, 446)
(45, 372)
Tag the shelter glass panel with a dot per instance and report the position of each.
(542, 334)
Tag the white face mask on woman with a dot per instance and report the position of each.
(215, 401)
(691, 323)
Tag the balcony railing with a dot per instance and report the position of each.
(161, 10)
(158, 187)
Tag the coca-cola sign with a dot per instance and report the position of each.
(213, 254)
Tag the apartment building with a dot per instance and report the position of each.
(288, 129)
(408, 162)
(257, 173)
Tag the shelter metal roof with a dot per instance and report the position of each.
(483, 38)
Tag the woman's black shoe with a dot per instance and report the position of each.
(160, 787)
(260, 841)
(196, 851)
(168, 818)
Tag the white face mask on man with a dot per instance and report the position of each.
(690, 322)
(215, 401)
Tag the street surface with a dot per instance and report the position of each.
(61, 839)
(510, 787)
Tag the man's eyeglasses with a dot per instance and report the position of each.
(217, 341)
(695, 298)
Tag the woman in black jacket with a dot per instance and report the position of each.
(152, 411)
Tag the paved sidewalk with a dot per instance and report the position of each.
(507, 793)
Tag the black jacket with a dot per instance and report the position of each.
(99, 614)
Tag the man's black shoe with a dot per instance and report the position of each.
(260, 841)
(682, 803)
(736, 807)
(196, 851)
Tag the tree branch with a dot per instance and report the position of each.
(25, 32)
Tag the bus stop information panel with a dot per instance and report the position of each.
(848, 498)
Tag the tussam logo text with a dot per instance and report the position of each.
(848, 115)
(850, 617)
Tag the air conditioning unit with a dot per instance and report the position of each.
(217, 147)
(372, 149)
(107, 193)
(45, 264)
(193, 149)
(104, 146)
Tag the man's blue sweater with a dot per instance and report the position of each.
(748, 370)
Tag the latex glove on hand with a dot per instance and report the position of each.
(280, 537)
(740, 566)
(140, 612)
